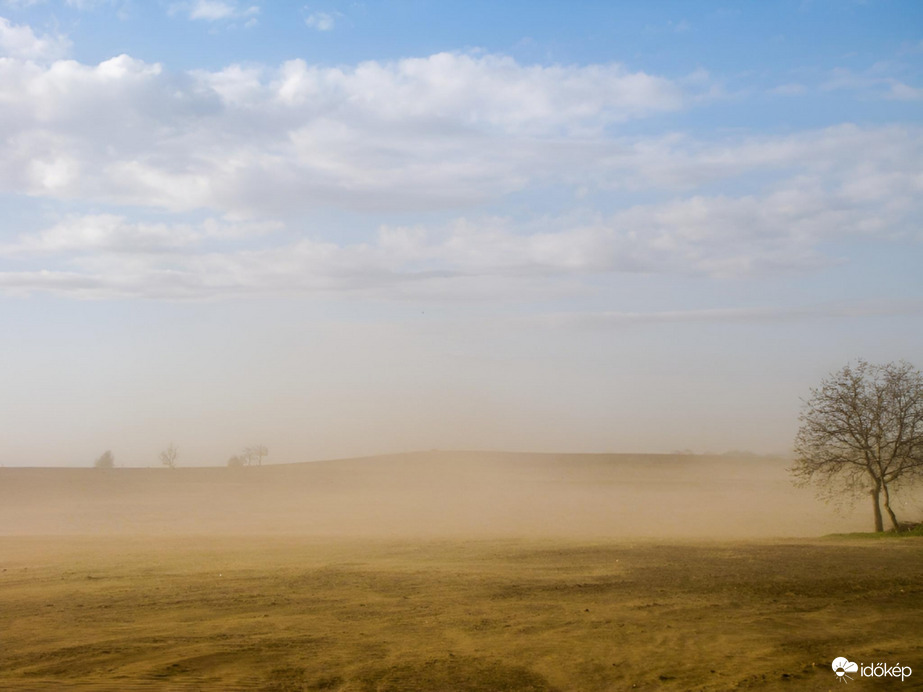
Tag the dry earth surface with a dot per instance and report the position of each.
(445, 572)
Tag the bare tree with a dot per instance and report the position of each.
(255, 453)
(169, 456)
(862, 431)
(105, 461)
(235, 461)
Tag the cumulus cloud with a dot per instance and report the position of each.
(487, 92)
(783, 229)
(112, 233)
(77, 4)
(447, 131)
(19, 41)
(322, 21)
(904, 92)
(877, 82)
(214, 10)
(423, 132)
(865, 160)
(87, 4)
(789, 89)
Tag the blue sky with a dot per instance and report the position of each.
(356, 227)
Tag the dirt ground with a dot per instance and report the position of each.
(446, 572)
(288, 613)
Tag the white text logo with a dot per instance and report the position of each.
(843, 666)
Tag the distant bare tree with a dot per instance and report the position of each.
(255, 453)
(862, 432)
(105, 461)
(169, 456)
(235, 461)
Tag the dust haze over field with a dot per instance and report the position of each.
(430, 494)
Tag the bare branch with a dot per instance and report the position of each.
(169, 456)
(862, 431)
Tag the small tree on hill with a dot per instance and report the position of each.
(255, 454)
(105, 461)
(169, 456)
(235, 461)
(862, 432)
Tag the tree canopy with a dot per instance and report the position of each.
(169, 456)
(862, 432)
(105, 460)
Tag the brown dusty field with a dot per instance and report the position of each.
(445, 572)
(118, 613)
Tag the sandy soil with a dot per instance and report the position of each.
(117, 613)
(445, 571)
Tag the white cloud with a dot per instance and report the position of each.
(445, 131)
(82, 5)
(19, 41)
(790, 89)
(123, 8)
(104, 232)
(214, 10)
(485, 92)
(87, 4)
(111, 233)
(322, 21)
(876, 82)
(785, 229)
(782, 229)
(414, 133)
(832, 156)
(449, 131)
(904, 92)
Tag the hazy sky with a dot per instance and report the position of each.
(354, 227)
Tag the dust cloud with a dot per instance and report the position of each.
(429, 495)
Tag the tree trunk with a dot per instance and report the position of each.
(891, 515)
(879, 524)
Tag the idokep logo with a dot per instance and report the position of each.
(842, 666)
